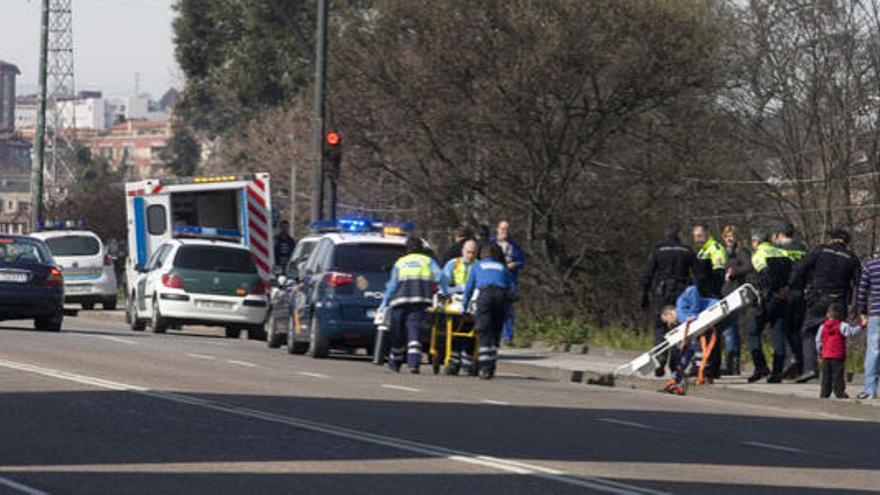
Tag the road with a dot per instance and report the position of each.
(100, 409)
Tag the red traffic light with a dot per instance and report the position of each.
(333, 139)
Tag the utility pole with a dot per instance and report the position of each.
(320, 73)
(38, 161)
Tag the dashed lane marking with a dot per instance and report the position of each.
(20, 487)
(312, 375)
(632, 424)
(495, 402)
(425, 449)
(773, 446)
(111, 338)
(401, 387)
(199, 356)
(241, 363)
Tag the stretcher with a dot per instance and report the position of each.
(744, 296)
(449, 323)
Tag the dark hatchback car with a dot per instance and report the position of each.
(31, 284)
(342, 285)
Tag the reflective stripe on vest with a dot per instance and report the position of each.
(415, 280)
(764, 252)
(713, 250)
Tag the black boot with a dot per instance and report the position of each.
(735, 367)
(778, 365)
(728, 364)
(760, 366)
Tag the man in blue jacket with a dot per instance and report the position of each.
(496, 289)
(515, 260)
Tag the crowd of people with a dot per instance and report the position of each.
(804, 299)
(491, 281)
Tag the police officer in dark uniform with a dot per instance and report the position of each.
(829, 272)
(284, 244)
(671, 264)
(795, 307)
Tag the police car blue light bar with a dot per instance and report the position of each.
(60, 225)
(362, 225)
(193, 230)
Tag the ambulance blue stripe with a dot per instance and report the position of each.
(140, 230)
(244, 217)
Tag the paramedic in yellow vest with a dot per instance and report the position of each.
(409, 292)
(715, 255)
(452, 280)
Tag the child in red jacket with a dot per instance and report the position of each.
(831, 346)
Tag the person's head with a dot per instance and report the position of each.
(759, 236)
(729, 236)
(469, 250)
(464, 234)
(836, 311)
(782, 233)
(839, 236)
(414, 245)
(502, 232)
(700, 234)
(284, 227)
(491, 251)
(671, 231)
(668, 316)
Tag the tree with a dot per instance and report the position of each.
(183, 152)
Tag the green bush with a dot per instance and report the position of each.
(556, 330)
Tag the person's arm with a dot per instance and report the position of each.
(390, 288)
(518, 256)
(848, 330)
(446, 276)
(684, 305)
(819, 339)
(803, 268)
(864, 289)
(469, 286)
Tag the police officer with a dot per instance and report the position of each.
(783, 238)
(409, 292)
(494, 282)
(829, 272)
(772, 272)
(452, 281)
(284, 244)
(670, 263)
(715, 254)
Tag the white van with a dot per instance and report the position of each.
(89, 275)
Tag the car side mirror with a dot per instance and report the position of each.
(140, 268)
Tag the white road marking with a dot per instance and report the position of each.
(20, 487)
(401, 387)
(241, 363)
(498, 464)
(313, 375)
(772, 446)
(621, 422)
(114, 339)
(495, 402)
(199, 356)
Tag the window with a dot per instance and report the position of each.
(157, 222)
(19, 250)
(314, 262)
(367, 257)
(215, 259)
(74, 245)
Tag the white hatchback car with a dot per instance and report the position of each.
(199, 282)
(89, 274)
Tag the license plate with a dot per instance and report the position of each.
(213, 304)
(76, 289)
(13, 277)
(371, 313)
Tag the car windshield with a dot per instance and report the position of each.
(215, 259)
(74, 245)
(17, 250)
(366, 257)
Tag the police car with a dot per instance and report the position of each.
(342, 284)
(89, 274)
(199, 282)
(282, 292)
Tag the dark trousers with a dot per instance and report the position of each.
(492, 306)
(817, 306)
(772, 313)
(406, 323)
(832, 378)
(794, 321)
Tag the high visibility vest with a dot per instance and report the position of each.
(794, 254)
(415, 280)
(713, 251)
(460, 272)
(764, 252)
(773, 267)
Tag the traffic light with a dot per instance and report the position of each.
(333, 153)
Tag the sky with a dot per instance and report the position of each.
(113, 40)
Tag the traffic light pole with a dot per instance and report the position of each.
(38, 161)
(317, 185)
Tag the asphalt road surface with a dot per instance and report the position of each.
(100, 409)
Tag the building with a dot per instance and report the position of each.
(15, 198)
(134, 144)
(8, 73)
(86, 113)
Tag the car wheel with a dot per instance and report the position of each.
(256, 333)
(109, 303)
(294, 346)
(136, 323)
(49, 323)
(319, 346)
(88, 306)
(275, 339)
(159, 324)
(233, 333)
